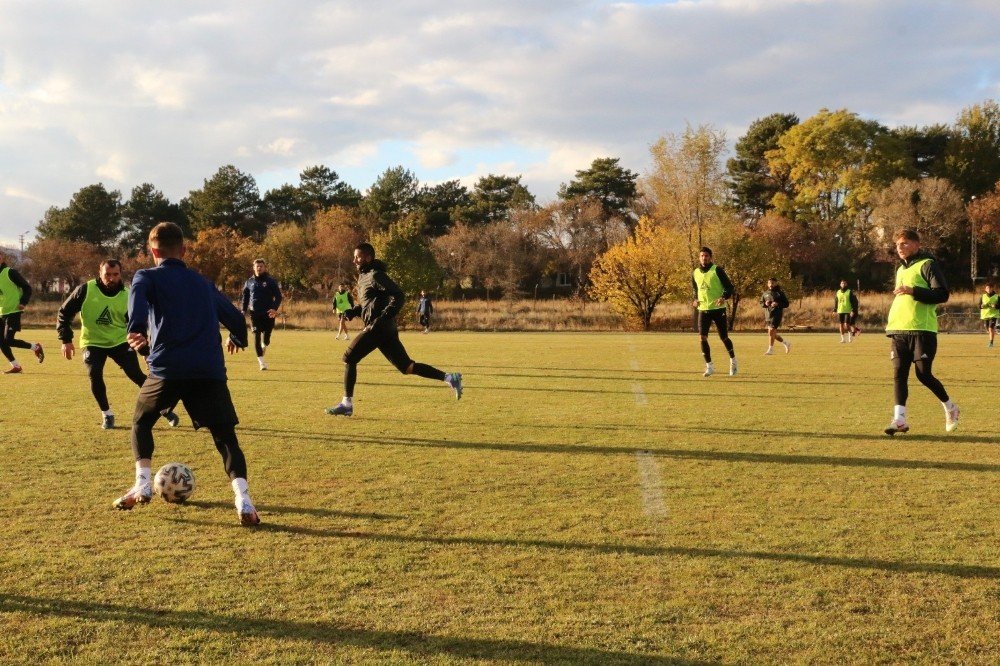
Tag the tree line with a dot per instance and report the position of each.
(810, 201)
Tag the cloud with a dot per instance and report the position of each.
(168, 93)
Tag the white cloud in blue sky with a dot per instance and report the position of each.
(125, 92)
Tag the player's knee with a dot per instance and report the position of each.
(405, 367)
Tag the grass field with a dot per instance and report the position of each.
(591, 499)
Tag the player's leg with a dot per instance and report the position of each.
(901, 354)
(268, 328)
(364, 343)
(722, 326)
(923, 362)
(842, 316)
(256, 326)
(991, 331)
(8, 353)
(155, 395)
(94, 359)
(704, 323)
(13, 327)
(392, 348)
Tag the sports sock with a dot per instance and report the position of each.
(841, 338)
(260, 359)
(35, 346)
(107, 412)
(899, 413)
(142, 474)
(948, 405)
(849, 338)
(240, 488)
(349, 401)
(770, 348)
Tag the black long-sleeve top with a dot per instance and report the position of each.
(19, 280)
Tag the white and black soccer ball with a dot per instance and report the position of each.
(174, 482)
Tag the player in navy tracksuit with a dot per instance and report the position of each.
(261, 298)
(174, 316)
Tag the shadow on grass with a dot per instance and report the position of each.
(681, 454)
(892, 566)
(415, 643)
(310, 511)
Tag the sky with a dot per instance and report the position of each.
(128, 92)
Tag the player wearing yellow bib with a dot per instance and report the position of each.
(912, 327)
(103, 308)
(711, 289)
(343, 302)
(15, 292)
(845, 304)
(989, 311)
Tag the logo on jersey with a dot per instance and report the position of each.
(104, 319)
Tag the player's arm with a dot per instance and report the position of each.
(246, 298)
(396, 298)
(854, 303)
(937, 291)
(19, 280)
(138, 313)
(232, 319)
(64, 319)
(727, 285)
(782, 299)
(277, 294)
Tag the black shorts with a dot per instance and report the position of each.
(847, 318)
(342, 316)
(123, 355)
(990, 323)
(707, 317)
(11, 322)
(207, 400)
(261, 322)
(384, 338)
(912, 347)
(425, 320)
(773, 317)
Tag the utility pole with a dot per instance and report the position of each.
(21, 238)
(974, 254)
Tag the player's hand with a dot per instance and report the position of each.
(21, 306)
(720, 301)
(137, 341)
(272, 313)
(903, 291)
(694, 304)
(67, 350)
(232, 347)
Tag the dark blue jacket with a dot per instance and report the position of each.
(179, 312)
(261, 294)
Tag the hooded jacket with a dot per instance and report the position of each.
(379, 298)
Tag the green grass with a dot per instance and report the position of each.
(770, 522)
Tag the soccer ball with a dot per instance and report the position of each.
(174, 482)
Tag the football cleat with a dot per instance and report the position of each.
(13, 370)
(769, 352)
(709, 370)
(39, 353)
(455, 382)
(896, 425)
(263, 365)
(951, 418)
(172, 419)
(246, 512)
(732, 367)
(109, 422)
(341, 410)
(135, 495)
(788, 346)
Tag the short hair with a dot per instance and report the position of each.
(366, 248)
(907, 233)
(707, 250)
(259, 260)
(111, 263)
(166, 236)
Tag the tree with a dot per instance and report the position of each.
(52, 259)
(496, 198)
(333, 235)
(223, 256)
(932, 206)
(752, 180)
(146, 207)
(984, 216)
(283, 204)
(636, 275)
(687, 187)
(974, 158)
(749, 261)
(392, 196)
(322, 188)
(229, 199)
(93, 216)
(403, 248)
(500, 255)
(926, 148)
(286, 250)
(441, 205)
(610, 185)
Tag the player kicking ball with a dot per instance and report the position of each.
(174, 314)
(912, 328)
(379, 301)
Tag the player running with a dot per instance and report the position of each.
(103, 308)
(379, 301)
(774, 301)
(845, 304)
(343, 301)
(15, 292)
(989, 311)
(174, 314)
(261, 298)
(912, 328)
(711, 289)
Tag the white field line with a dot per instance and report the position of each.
(637, 390)
(651, 486)
(640, 395)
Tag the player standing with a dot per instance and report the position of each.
(711, 289)
(261, 298)
(15, 292)
(343, 301)
(175, 313)
(103, 308)
(379, 301)
(774, 301)
(845, 304)
(425, 308)
(912, 328)
(989, 311)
